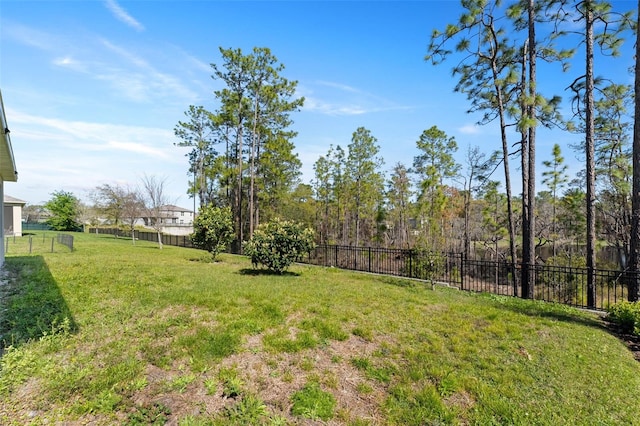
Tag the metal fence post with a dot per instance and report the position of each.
(410, 263)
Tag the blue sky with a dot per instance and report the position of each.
(93, 89)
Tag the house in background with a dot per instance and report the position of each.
(175, 220)
(8, 170)
(13, 215)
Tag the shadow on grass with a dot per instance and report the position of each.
(31, 304)
(550, 310)
(260, 271)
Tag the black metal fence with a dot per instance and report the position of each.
(444, 268)
(170, 240)
(566, 285)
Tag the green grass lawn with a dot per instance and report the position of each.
(116, 333)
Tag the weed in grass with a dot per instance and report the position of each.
(207, 345)
(231, 383)
(361, 363)
(330, 379)
(105, 402)
(156, 414)
(195, 421)
(364, 388)
(307, 363)
(313, 403)
(135, 385)
(288, 376)
(448, 385)
(180, 383)
(382, 374)
(278, 421)
(281, 342)
(363, 333)
(326, 330)
(406, 406)
(17, 365)
(211, 385)
(249, 410)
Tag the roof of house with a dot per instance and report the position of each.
(8, 170)
(172, 208)
(8, 199)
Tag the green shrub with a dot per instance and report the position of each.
(278, 244)
(627, 315)
(213, 229)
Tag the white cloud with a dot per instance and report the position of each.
(138, 148)
(91, 137)
(343, 87)
(70, 63)
(146, 82)
(312, 104)
(54, 154)
(470, 129)
(31, 37)
(337, 99)
(123, 16)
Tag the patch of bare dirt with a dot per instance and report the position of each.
(273, 378)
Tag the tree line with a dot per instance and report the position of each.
(497, 48)
(242, 153)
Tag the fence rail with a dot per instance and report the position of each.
(566, 285)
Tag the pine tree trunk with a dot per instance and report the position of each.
(529, 262)
(634, 261)
(238, 194)
(590, 166)
(524, 166)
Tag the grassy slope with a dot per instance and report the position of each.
(165, 335)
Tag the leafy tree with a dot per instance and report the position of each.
(613, 167)
(432, 166)
(322, 188)
(488, 75)
(277, 244)
(109, 201)
(213, 229)
(64, 208)
(199, 134)
(278, 175)
(572, 214)
(255, 101)
(555, 178)
(331, 185)
(300, 206)
(399, 195)
(593, 14)
(365, 183)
